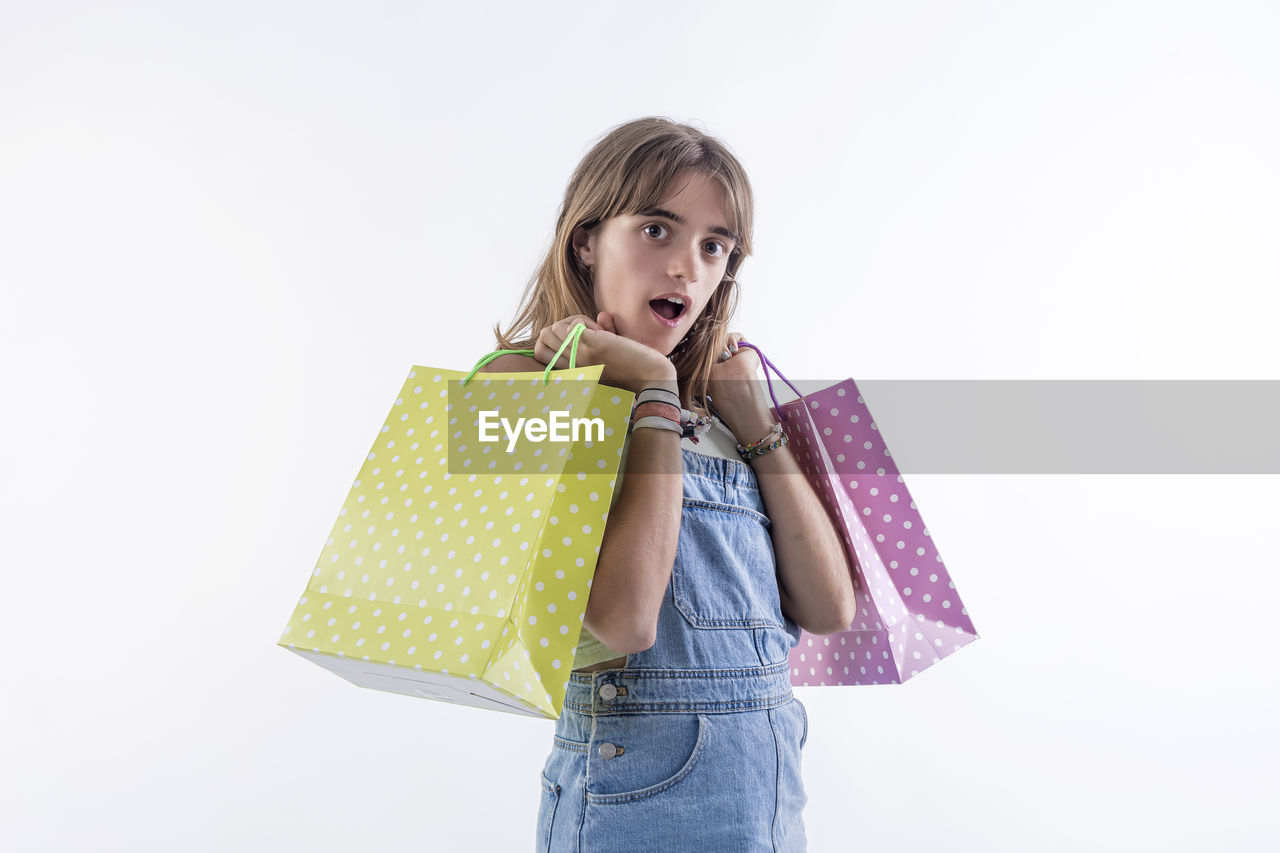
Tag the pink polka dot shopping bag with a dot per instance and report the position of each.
(909, 613)
(460, 563)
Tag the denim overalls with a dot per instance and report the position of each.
(695, 744)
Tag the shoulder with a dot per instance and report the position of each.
(512, 363)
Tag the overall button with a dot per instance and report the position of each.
(608, 750)
(608, 692)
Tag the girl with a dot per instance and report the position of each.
(679, 730)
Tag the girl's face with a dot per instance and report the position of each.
(655, 271)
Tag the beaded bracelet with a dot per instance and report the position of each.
(764, 445)
(780, 441)
(774, 430)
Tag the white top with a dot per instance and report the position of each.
(717, 441)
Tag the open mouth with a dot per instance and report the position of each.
(668, 308)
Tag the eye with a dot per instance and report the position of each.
(655, 225)
(720, 248)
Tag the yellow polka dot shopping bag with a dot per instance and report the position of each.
(460, 563)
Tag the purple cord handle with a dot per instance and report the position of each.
(769, 365)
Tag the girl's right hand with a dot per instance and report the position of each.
(627, 363)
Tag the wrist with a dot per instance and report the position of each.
(663, 377)
(748, 426)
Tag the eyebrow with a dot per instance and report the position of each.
(680, 220)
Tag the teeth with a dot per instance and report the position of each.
(676, 299)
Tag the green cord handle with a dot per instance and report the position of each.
(571, 341)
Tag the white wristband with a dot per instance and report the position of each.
(657, 422)
(658, 395)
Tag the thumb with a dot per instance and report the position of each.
(605, 319)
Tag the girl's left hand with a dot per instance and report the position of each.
(737, 391)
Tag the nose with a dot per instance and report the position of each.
(684, 263)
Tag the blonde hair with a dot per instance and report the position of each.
(631, 168)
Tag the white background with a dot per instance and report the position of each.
(228, 229)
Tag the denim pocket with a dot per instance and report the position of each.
(547, 812)
(651, 753)
(725, 575)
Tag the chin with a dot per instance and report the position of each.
(660, 342)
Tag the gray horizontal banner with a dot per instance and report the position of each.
(1117, 426)
(921, 426)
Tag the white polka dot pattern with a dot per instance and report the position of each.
(909, 614)
(474, 576)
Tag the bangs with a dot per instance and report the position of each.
(650, 176)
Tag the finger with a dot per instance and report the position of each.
(730, 347)
(561, 328)
(548, 343)
(749, 356)
(605, 319)
(564, 337)
(563, 333)
(541, 353)
(566, 325)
